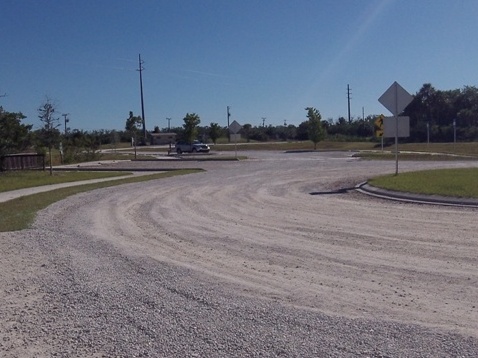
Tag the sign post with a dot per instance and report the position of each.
(395, 99)
(234, 128)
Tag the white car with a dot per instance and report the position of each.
(194, 147)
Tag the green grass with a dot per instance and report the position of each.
(297, 146)
(14, 180)
(18, 214)
(147, 149)
(460, 149)
(461, 183)
(116, 156)
(411, 156)
(465, 149)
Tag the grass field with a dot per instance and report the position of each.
(124, 151)
(298, 146)
(419, 156)
(461, 183)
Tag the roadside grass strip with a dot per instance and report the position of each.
(460, 183)
(422, 156)
(19, 214)
(28, 179)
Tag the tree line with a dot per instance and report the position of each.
(438, 113)
(434, 114)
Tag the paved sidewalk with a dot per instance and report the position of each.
(13, 194)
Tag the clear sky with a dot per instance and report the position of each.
(263, 58)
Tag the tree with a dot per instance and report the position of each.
(191, 122)
(133, 122)
(467, 106)
(438, 109)
(83, 146)
(132, 125)
(315, 130)
(303, 131)
(214, 132)
(15, 136)
(48, 135)
(246, 130)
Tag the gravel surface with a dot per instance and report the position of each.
(269, 257)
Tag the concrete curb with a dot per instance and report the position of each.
(368, 189)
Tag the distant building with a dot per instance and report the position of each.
(163, 138)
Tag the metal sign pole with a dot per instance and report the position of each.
(396, 129)
(235, 143)
(395, 99)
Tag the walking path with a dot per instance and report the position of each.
(13, 194)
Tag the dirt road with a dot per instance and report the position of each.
(251, 243)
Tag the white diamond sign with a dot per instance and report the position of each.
(235, 127)
(395, 99)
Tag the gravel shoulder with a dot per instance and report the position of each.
(267, 257)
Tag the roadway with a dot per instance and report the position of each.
(274, 255)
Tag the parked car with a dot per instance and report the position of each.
(194, 147)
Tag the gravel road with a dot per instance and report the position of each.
(269, 257)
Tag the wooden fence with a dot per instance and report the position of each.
(22, 161)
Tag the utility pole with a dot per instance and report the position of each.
(49, 128)
(264, 121)
(169, 124)
(228, 116)
(142, 102)
(348, 100)
(65, 115)
(2, 95)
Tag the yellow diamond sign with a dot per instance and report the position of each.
(378, 126)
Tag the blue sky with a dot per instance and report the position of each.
(263, 58)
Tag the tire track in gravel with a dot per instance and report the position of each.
(255, 227)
